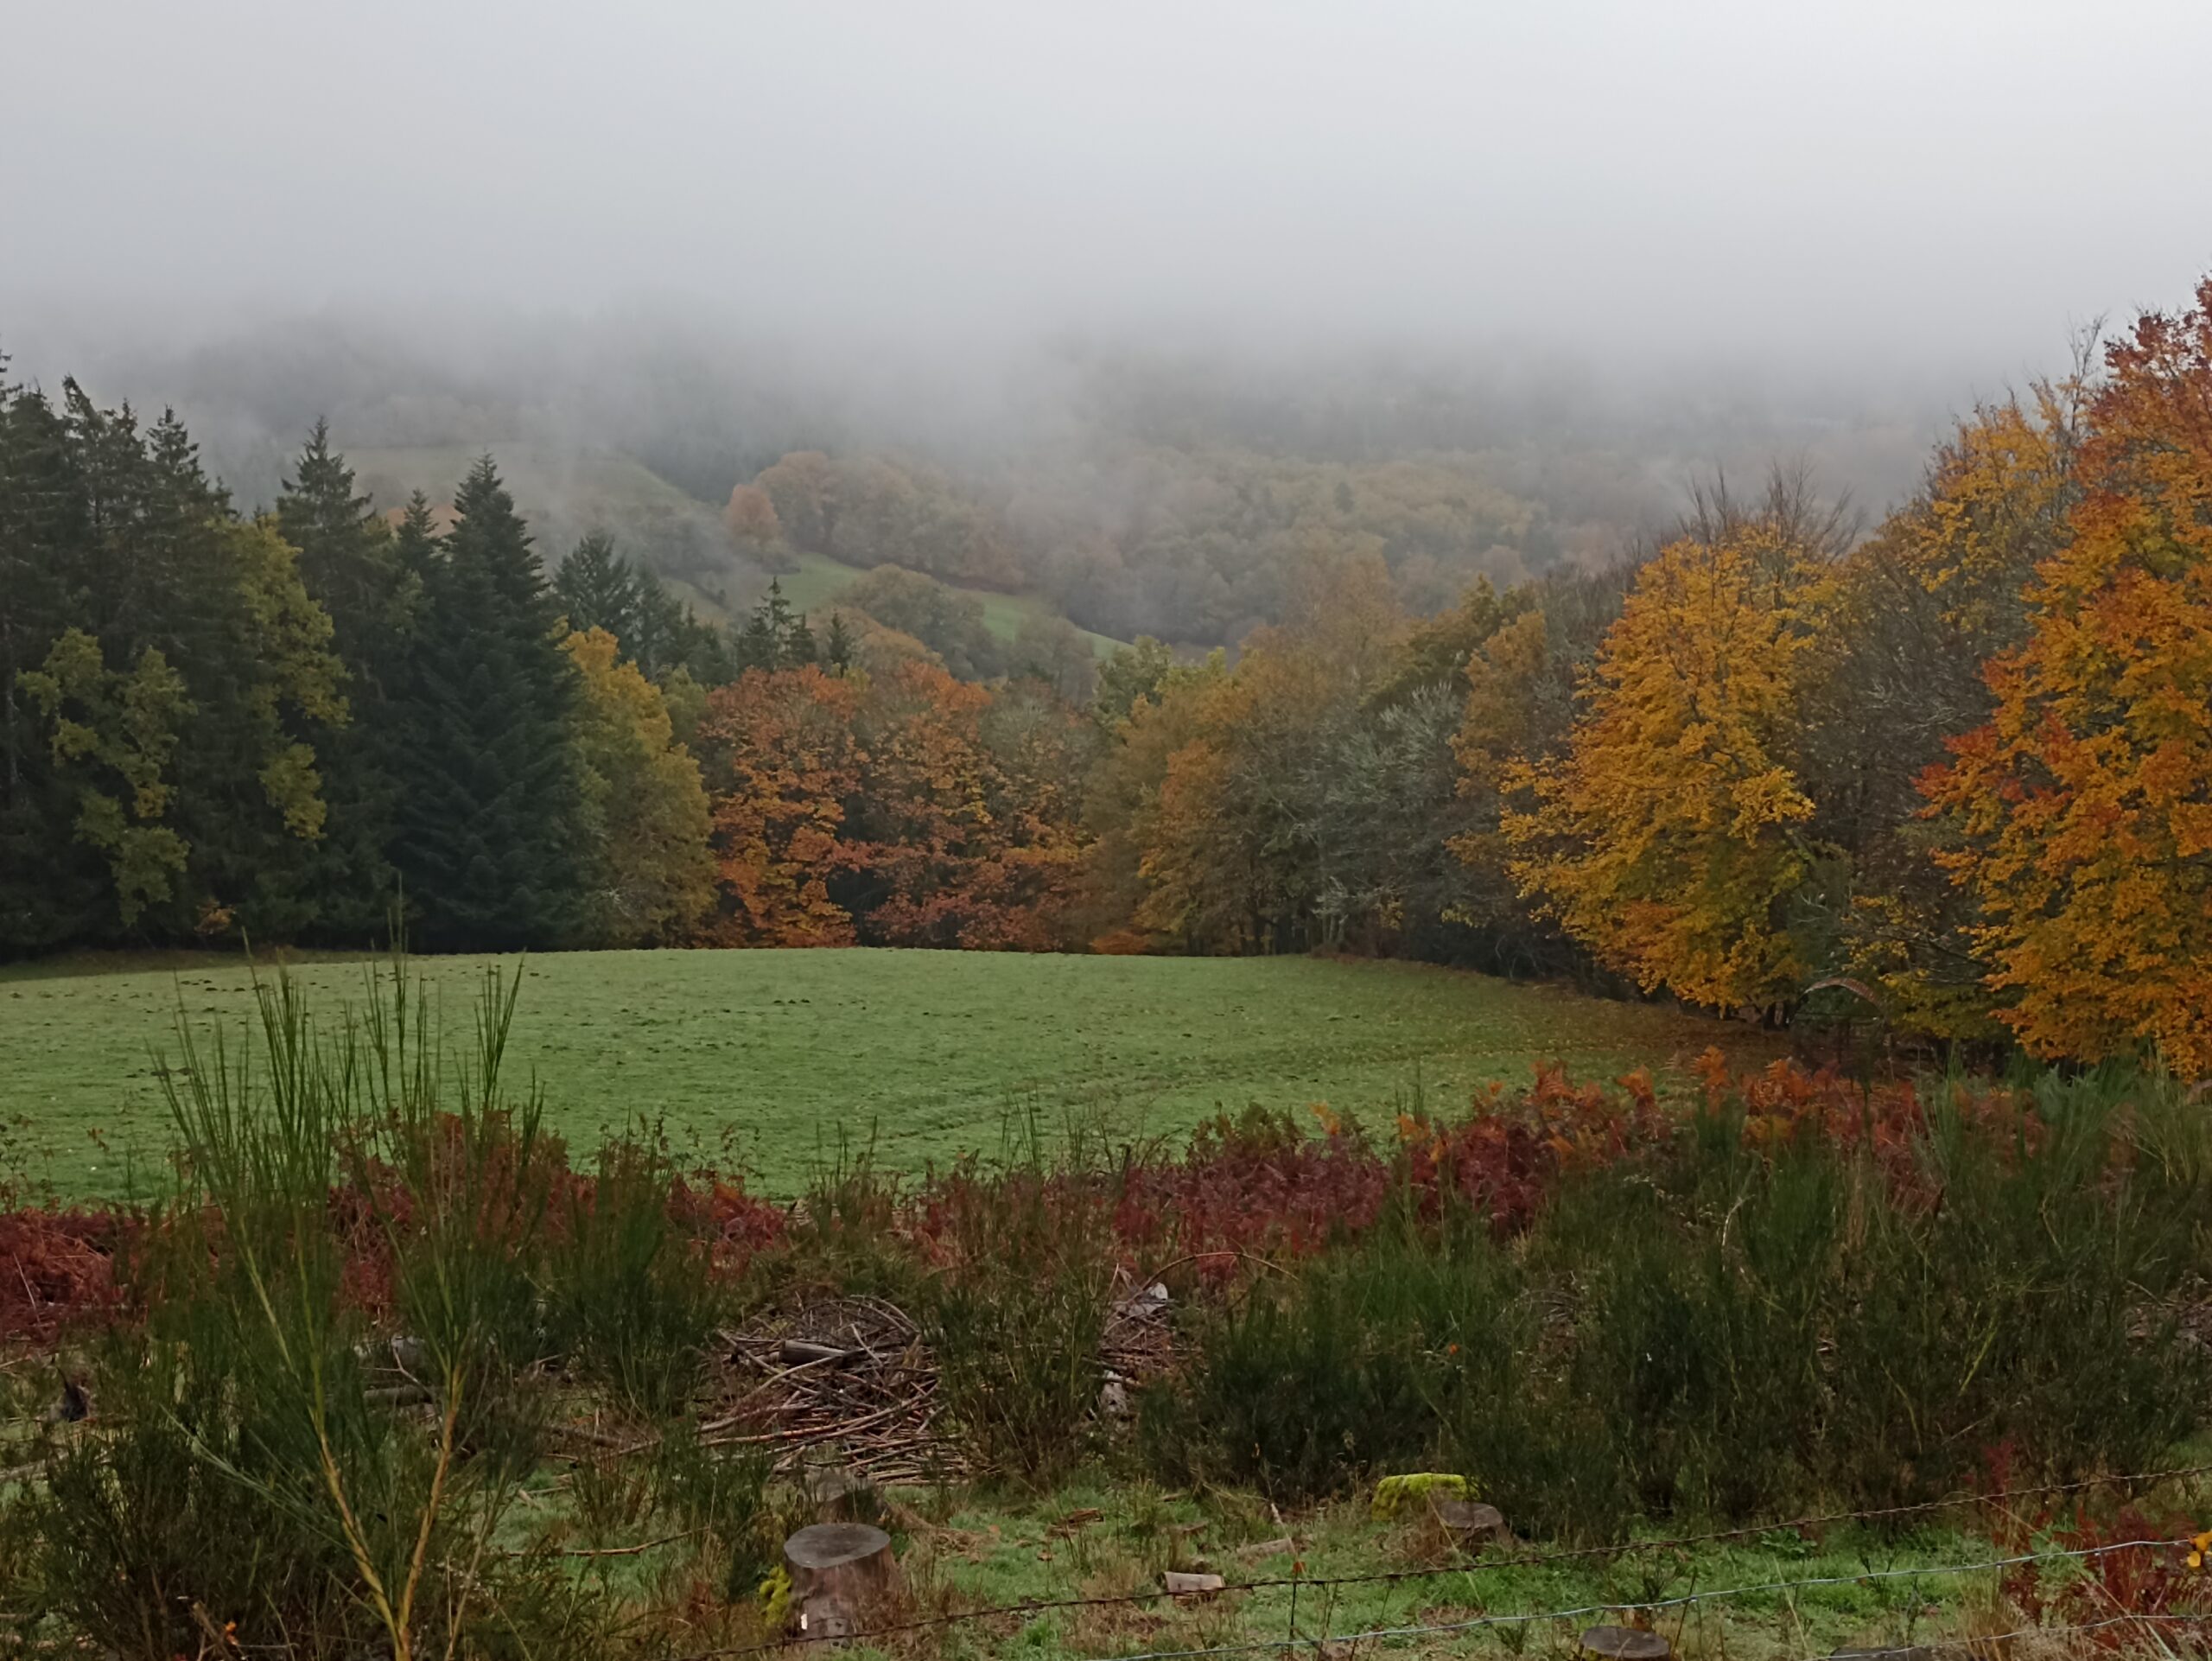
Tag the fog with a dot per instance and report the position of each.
(821, 217)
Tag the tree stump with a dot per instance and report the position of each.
(840, 1572)
(1181, 1584)
(1625, 1644)
(1469, 1522)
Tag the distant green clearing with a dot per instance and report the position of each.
(768, 1059)
(815, 586)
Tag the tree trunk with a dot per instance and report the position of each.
(1470, 1522)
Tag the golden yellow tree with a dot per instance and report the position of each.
(1669, 838)
(2086, 801)
(650, 878)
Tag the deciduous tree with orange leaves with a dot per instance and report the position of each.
(782, 761)
(2085, 802)
(957, 845)
(1669, 839)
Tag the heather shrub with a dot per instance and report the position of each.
(1803, 1294)
(630, 1295)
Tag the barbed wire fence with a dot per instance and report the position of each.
(1323, 1643)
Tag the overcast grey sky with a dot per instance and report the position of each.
(1940, 180)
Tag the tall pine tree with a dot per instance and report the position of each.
(598, 589)
(490, 801)
(52, 887)
(352, 564)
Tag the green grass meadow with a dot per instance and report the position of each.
(819, 581)
(770, 1060)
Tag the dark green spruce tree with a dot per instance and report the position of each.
(799, 647)
(53, 888)
(774, 636)
(671, 637)
(598, 589)
(837, 644)
(491, 801)
(350, 564)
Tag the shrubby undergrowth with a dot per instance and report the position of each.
(327, 1365)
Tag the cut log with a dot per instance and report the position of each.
(400, 1395)
(1180, 1585)
(840, 1572)
(1625, 1644)
(805, 1352)
(1282, 1548)
(1469, 1521)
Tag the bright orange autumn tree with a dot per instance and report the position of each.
(954, 847)
(1667, 839)
(783, 762)
(2086, 801)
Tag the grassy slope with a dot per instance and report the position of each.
(769, 1057)
(819, 580)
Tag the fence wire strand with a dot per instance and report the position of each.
(1295, 1583)
(1658, 1606)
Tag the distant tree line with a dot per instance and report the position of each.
(1958, 771)
(303, 724)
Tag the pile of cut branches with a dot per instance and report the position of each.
(833, 1373)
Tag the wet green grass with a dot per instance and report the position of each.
(1104, 1540)
(770, 1060)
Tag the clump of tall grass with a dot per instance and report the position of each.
(631, 1297)
(256, 1481)
(1015, 1310)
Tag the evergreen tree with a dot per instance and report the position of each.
(170, 685)
(767, 640)
(670, 637)
(51, 887)
(352, 564)
(347, 558)
(491, 801)
(415, 545)
(598, 589)
(837, 644)
(799, 647)
(757, 648)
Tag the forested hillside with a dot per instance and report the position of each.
(1955, 772)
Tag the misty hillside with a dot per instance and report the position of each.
(1130, 489)
(567, 495)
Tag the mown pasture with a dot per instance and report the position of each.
(773, 1060)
